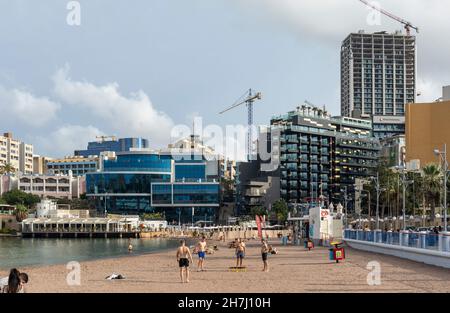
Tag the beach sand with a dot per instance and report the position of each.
(294, 269)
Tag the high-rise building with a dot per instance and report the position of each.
(16, 153)
(115, 145)
(378, 78)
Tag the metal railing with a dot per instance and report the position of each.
(418, 240)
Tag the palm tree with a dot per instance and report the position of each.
(432, 186)
(7, 169)
(21, 212)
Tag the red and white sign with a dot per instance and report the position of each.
(324, 213)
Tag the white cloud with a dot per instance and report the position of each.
(134, 115)
(66, 139)
(27, 108)
(330, 21)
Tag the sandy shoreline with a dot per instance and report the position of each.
(294, 269)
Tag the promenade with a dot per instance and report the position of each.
(292, 270)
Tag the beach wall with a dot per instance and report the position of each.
(437, 258)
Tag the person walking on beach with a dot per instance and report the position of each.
(264, 253)
(201, 248)
(183, 257)
(240, 252)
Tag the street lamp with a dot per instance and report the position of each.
(443, 158)
(402, 169)
(378, 190)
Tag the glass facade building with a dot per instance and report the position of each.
(146, 182)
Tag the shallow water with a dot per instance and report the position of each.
(19, 252)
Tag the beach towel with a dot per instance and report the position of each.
(115, 276)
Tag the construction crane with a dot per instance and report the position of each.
(249, 102)
(407, 24)
(113, 138)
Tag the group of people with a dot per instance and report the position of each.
(184, 255)
(14, 283)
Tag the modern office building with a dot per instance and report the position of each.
(427, 129)
(16, 153)
(378, 78)
(114, 145)
(78, 166)
(320, 156)
(139, 182)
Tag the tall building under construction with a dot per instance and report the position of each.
(378, 78)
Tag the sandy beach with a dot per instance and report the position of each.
(294, 269)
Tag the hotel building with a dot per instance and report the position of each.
(16, 153)
(321, 156)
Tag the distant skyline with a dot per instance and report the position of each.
(136, 69)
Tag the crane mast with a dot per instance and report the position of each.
(249, 103)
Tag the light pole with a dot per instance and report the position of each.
(106, 195)
(443, 158)
(378, 190)
(402, 169)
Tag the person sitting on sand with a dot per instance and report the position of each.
(201, 248)
(15, 282)
(183, 256)
(240, 252)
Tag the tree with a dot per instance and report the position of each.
(16, 196)
(153, 216)
(258, 210)
(21, 212)
(432, 183)
(281, 209)
(7, 169)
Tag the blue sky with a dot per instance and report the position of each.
(136, 68)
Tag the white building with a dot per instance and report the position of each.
(16, 153)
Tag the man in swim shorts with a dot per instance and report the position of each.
(201, 248)
(183, 256)
(240, 252)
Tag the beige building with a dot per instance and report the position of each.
(427, 129)
(40, 164)
(16, 153)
